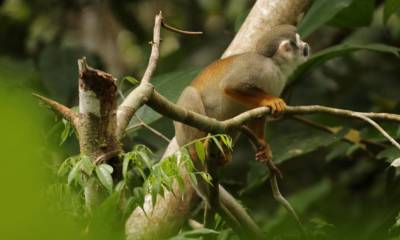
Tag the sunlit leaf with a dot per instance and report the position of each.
(200, 150)
(193, 179)
(68, 130)
(103, 173)
(86, 165)
(66, 166)
(74, 173)
(131, 80)
(155, 189)
(125, 165)
(206, 177)
(390, 154)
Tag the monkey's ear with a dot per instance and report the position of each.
(284, 47)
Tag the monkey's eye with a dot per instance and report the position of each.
(293, 44)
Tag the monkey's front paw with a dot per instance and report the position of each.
(277, 105)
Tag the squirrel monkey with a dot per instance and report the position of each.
(238, 83)
(241, 82)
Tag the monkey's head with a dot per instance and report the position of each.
(283, 44)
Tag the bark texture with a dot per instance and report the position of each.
(97, 122)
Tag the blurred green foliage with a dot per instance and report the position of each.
(341, 189)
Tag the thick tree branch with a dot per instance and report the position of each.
(264, 15)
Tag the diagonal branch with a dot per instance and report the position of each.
(64, 111)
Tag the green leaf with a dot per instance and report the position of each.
(120, 186)
(103, 173)
(194, 234)
(125, 165)
(206, 177)
(200, 150)
(68, 130)
(227, 141)
(389, 154)
(141, 172)
(320, 13)
(340, 50)
(358, 14)
(218, 144)
(193, 179)
(86, 165)
(181, 183)
(139, 194)
(67, 165)
(391, 7)
(155, 190)
(145, 157)
(108, 168)
(74, 173)
(130, 79)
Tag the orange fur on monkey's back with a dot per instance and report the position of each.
(214, 70)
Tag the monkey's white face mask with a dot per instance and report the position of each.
(293, 52)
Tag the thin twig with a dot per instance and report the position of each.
(151, 129)
(133, 127)
(145, 125)
(180, 31)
